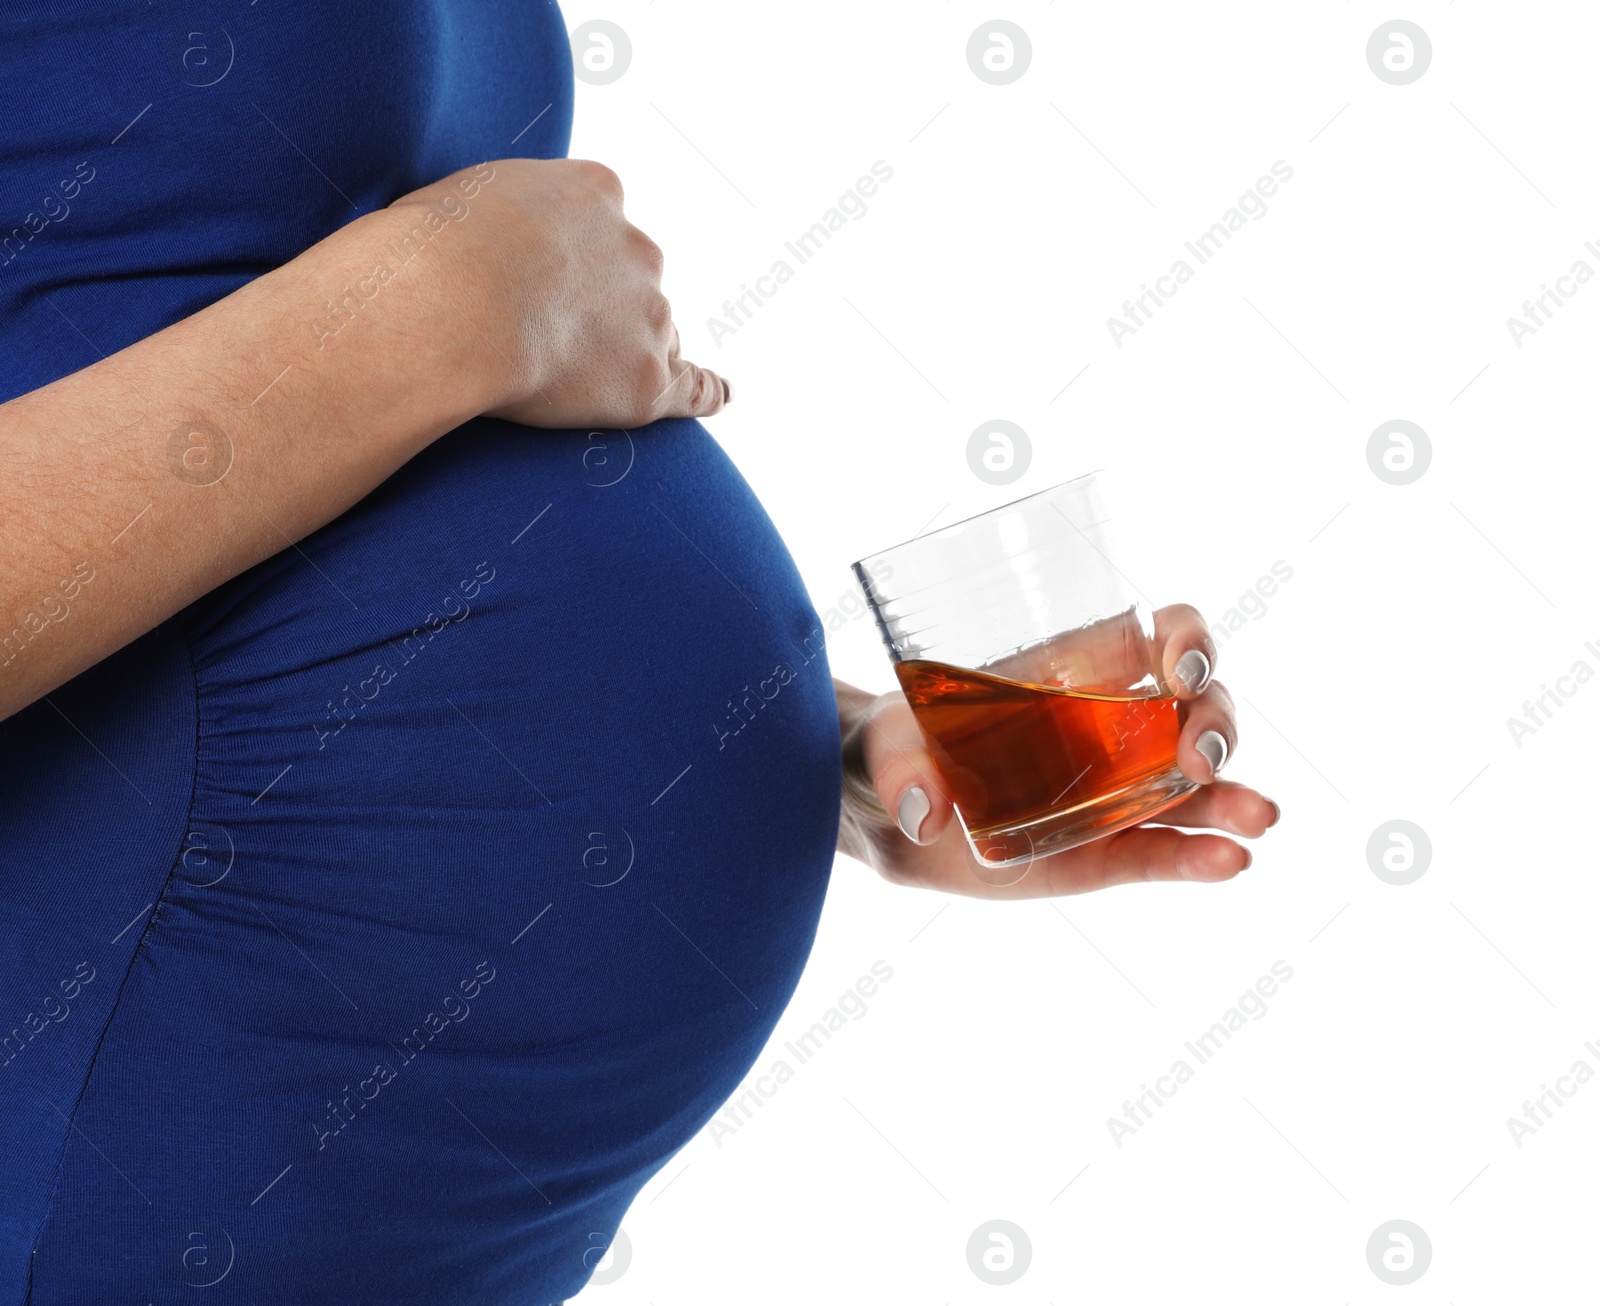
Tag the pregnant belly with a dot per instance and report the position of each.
(501, 836)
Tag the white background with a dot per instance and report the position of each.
(1375, 686)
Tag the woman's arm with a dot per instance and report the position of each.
(129, 489)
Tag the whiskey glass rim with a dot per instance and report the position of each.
(979, 516)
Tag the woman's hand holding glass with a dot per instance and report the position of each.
(889, 770)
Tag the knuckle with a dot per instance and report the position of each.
(658, 311)
(599, 176)
(648, 250)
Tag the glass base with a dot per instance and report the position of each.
(1067, 827)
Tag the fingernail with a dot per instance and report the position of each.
(1193, 670)
(913, 810)
(1249, 859)
(1277, 813)
(727, 391)
(1214, 748)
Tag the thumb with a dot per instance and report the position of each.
(903, 772)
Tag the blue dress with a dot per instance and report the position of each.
(377, 926)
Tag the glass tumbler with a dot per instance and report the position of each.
(1034, 673)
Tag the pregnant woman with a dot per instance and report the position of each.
(412, 824)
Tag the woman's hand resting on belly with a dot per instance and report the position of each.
(888, 769)
(571, 295)
(134, 486)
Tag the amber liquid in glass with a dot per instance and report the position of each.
(1016, 754)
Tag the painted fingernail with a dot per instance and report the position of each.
(1193, 670)
(913, 810)
(1277, 813)
(727, 391)
(1249, 860)
(1214, 748)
